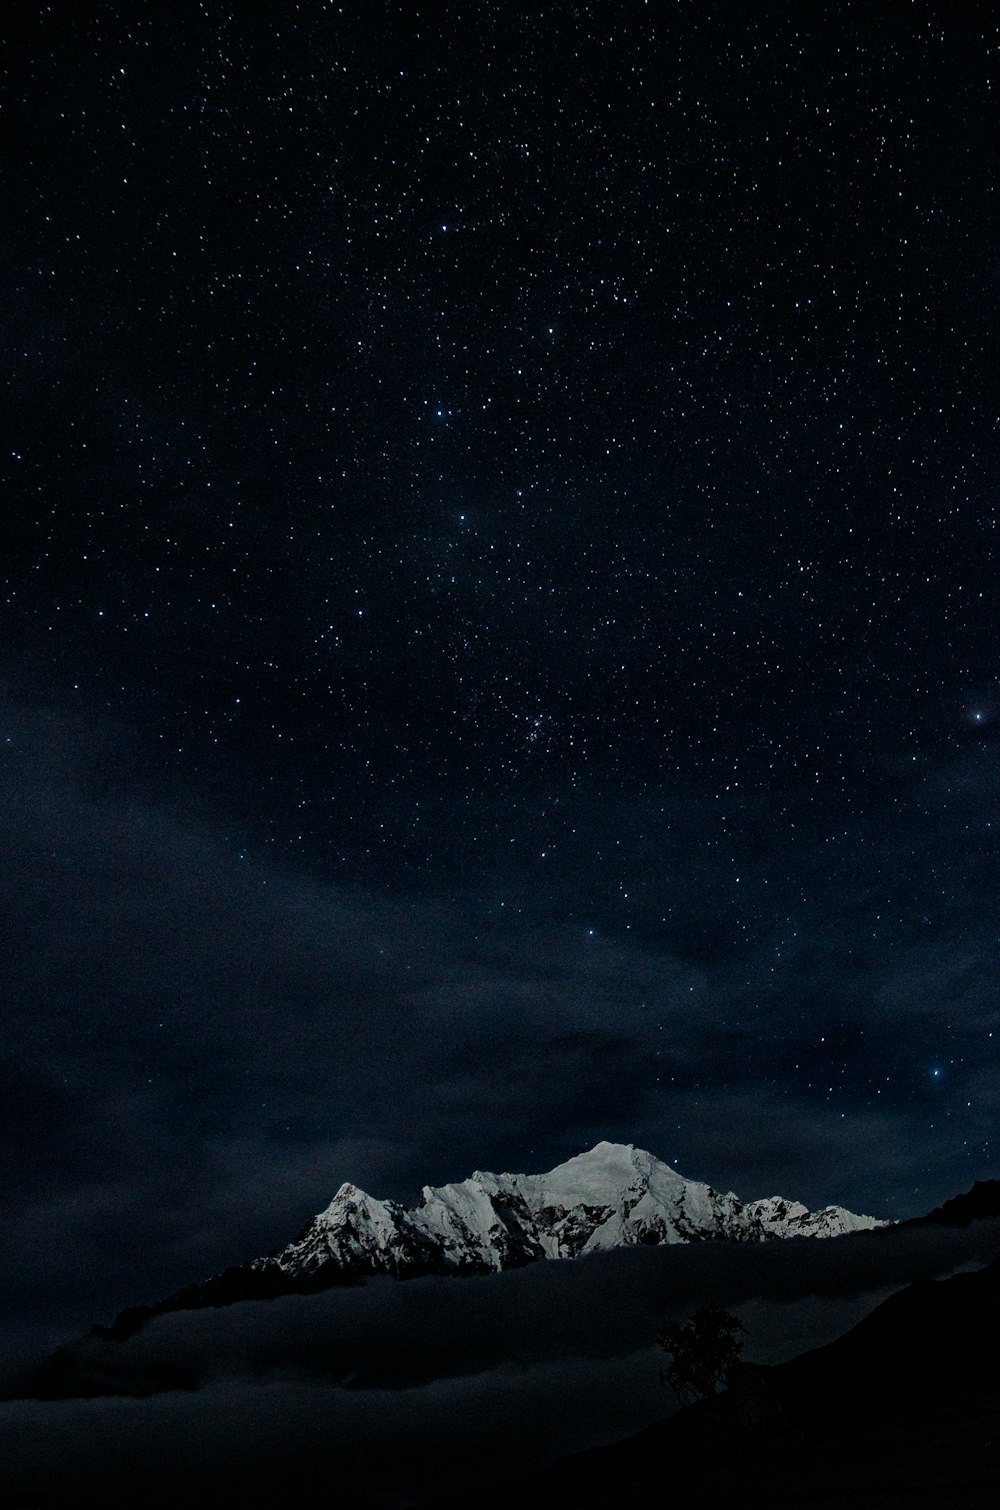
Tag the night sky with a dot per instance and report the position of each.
(499, 623)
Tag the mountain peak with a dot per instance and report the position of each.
(613, 1195)
(607, 1156)
(609, 1196)
(605, 1147)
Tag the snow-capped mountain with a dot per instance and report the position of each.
(612, 1196)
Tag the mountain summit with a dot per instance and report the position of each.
(612, 1196)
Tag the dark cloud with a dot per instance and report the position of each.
(500, 1373)
(498, 627)
(201, 1043)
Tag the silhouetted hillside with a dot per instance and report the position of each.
(982, 1200)
(903, 1411)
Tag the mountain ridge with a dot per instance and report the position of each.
(609, 1196)
(612, 1195)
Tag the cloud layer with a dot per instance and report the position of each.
(201, 1044)
(500, 1373)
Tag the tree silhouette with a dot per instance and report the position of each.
(702, 1350)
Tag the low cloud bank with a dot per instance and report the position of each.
(402, 1393)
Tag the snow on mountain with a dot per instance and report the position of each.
(612, 1196)
(791, 1219)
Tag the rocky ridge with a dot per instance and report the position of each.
(612, 1196)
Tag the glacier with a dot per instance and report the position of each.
(614, 1195)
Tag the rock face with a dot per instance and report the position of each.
(612, 1196)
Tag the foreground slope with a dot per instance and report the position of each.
(902, 1411)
